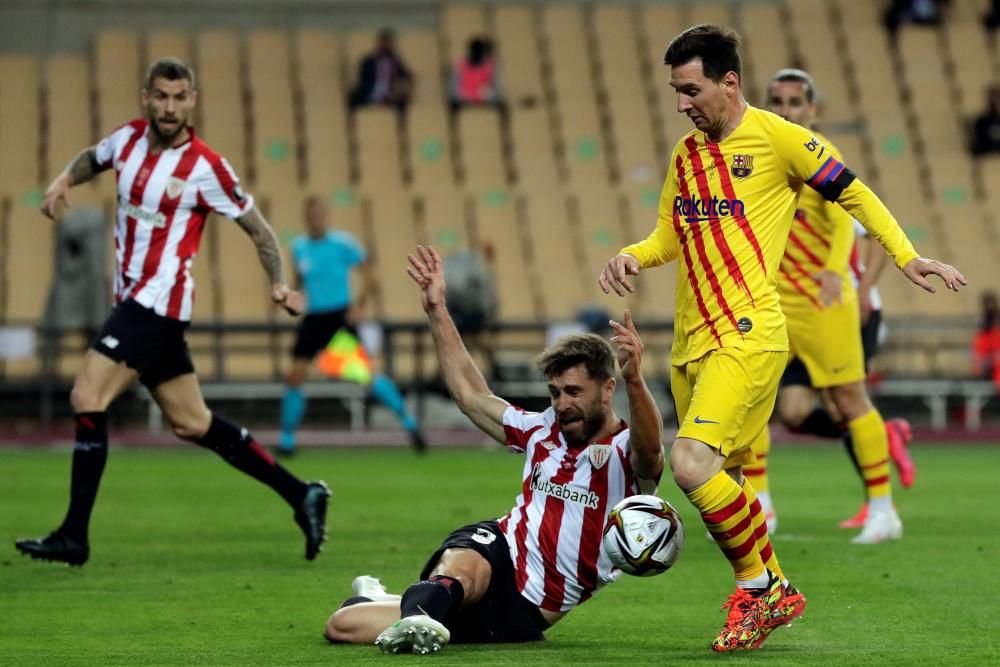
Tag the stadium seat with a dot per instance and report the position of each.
(20, 145)
(658, 23)
(517, 53)
(164, 42)
(275, 140)
(377, 135)
(444, 217)
(558, 268)
(393, 231)
(497, 225)
(221, 97)
(430, 149)
(623, 90)
(532, 149)
(67, 82)
(422, 55)
(324, 116)
(459, 24)
(483, 165)
(118, 77)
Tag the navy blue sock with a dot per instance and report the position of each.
(90, 454)
(244, 453)
(435, 597)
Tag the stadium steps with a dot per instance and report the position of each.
(20, 122)
(275, 136)
(117, 66)
(481, 147)
(163, 42)
(320, 86)
(379, 161)
(221, 97)
(431, 150)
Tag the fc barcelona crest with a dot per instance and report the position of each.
(742, 165)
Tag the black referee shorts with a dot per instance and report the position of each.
(149, 343)
(316, 330)
(502, 615)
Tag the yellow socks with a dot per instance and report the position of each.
(726, 512)
(871, 448)
(760, 530)
(757, 472)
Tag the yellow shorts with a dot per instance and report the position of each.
(725, 399)
(828, 342)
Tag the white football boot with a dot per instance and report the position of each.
(417, 634)
(880, 527)
(372, 588)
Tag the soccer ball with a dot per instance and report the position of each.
(643, 536)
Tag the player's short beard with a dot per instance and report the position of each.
(592, 424)
(164, 138)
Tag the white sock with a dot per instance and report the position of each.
(880, 504)
(757, 582)
(765, 501)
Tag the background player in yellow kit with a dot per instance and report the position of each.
(725, 210)
(823, 319)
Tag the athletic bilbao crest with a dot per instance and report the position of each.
(599, 455)
(742, 165)
(175, 187)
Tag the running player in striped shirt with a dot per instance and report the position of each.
(168, 182)
(821, 307)
(509, 579)
(726, 210)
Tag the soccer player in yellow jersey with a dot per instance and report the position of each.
(725, 212)
(820, 304)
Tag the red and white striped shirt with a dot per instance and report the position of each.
(163, 201)
(554, 531)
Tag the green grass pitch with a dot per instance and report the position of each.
(194, 564)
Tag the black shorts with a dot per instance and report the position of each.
(149, 343)
(316, 330)
(796, 374)
(503, 614)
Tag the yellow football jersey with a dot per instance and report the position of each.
(821, 238)
(725, 212)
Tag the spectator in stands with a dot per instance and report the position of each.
(383, 78)
(986, 127)
(919, 12)
(324, 259)
(986, 344)
(475, 79)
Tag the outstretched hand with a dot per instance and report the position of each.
(616, 272)
(918, 269)
(56, 192)
(628, 346)
(427, 270)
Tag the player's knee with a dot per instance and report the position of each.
(338, 627)
(348, 625)
(792, 410)
(689, 464)
(851, 400)
(84, 397)
(191, 426)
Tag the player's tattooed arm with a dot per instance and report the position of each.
(84, 166)
(268, 250)
(80, 169)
